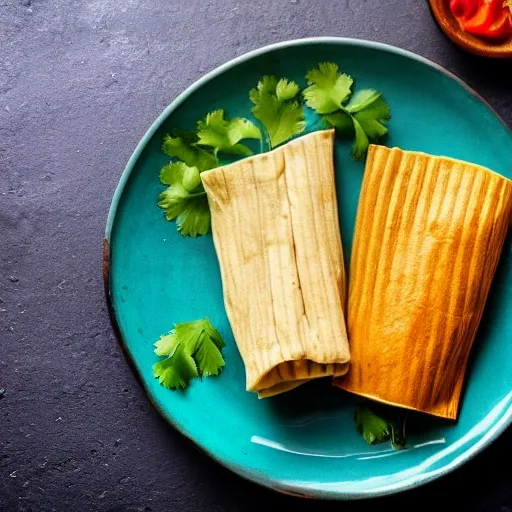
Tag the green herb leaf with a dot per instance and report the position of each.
(176, 371)
(362, 99)
(371, 111)
(342, 121)
(224, 136)
(376, 429)
(373, 428)
(328, 88)
(195, 219)
(363, 117)
(192, 349)
(180, 174)
(184, 199)
(185, 150)
(361, 142)
(166, 345)
(398, 436)
(182, 181)
(276, 106)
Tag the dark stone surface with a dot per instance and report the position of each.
(80, 82)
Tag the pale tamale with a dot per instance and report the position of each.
(276, 234)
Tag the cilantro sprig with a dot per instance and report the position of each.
(184, 199)
(224, 136)
(183, 146)
(376, 429)
(363, 117)
(328, 88)
(194, 152)
(277, 107)
(191, 350)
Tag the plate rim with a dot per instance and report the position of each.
(285, 487)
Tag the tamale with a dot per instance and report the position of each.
(276, 234)
(428, 236)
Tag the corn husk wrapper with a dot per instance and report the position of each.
(428, 237)
(276, 234)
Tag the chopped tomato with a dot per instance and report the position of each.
(464, 9)
(490, 19)
(501, 28)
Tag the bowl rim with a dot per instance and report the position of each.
(441, 13)
(288, 487)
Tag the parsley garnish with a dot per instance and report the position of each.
(373, 428)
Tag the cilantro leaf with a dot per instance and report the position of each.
(376, 429)
(224, 136)
(361, 142)
(166, 345)
(363, 117)
(398, 435)
(373, 117)
(183, 147)
(180, 145)
(184, 199)
(195, 219)
(328, 88)
(276, 106)
(192, 349)
(177, 370)
(180, 174)
(348, 126)
(373, 428)
(208, 356)
(370, 112)
(342, 121)
(182, 180)
(362, 99)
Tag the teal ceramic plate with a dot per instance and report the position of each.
(304, 442)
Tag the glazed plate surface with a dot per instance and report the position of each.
(304, 441)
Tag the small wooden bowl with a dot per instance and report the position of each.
(449, 25)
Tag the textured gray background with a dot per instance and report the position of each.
(80, 82)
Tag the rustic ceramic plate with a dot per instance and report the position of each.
(304, 442)
(449, 25)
